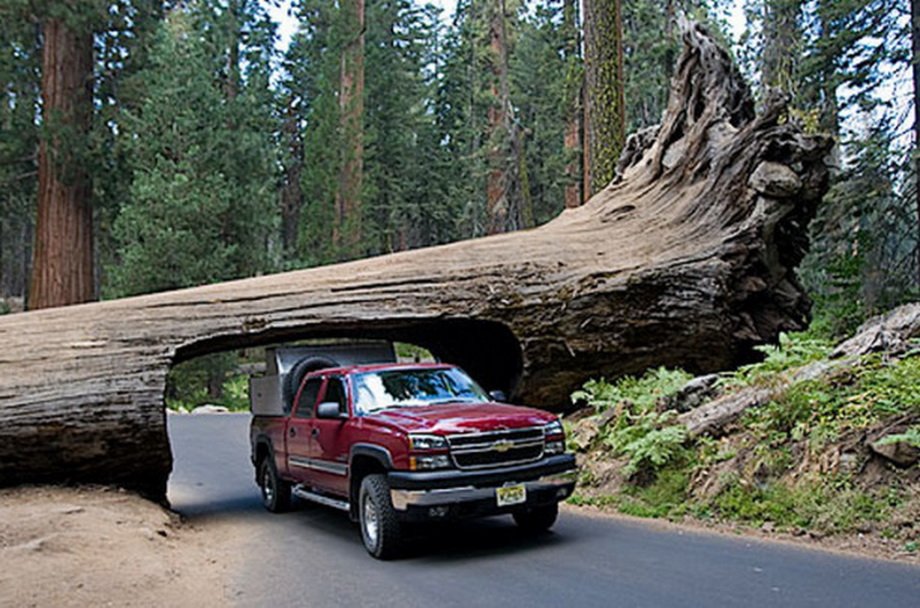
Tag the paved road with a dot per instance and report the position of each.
(314, 556)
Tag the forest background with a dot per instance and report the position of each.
(209, 147)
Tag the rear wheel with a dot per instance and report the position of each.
(381, 530)
(537, 519)
(276, 493)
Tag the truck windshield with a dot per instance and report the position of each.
(413, 387)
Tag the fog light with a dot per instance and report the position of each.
(562, 493)
(555, 447)
(427, 463)
(438, 511)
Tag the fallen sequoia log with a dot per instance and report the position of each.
(686, 259)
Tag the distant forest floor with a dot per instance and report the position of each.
(819, 443)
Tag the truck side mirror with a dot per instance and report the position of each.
(329, 409)
(499, 396)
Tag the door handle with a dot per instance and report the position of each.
(292, 432)
(315, 432)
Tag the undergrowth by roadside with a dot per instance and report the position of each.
(793, 464)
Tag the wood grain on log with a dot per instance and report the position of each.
(679, 262)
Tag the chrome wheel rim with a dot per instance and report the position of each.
(268, 490)
(371, 523)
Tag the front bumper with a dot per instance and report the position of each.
(468, 494)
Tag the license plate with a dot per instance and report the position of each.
(511, 495)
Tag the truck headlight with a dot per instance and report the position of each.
(553, 429)
(428, 463)
(427, 442)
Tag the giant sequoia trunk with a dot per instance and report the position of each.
(686, 260)
(62, 267)
(346, 232)
(604, 98)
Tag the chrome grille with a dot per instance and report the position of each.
(496, 448)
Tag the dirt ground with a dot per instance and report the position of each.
(104, 547)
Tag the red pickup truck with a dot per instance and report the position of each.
(396, 443)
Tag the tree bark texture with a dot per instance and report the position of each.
(572, 136)
(291, 191)
(62, 265)
(347, 229)
(915, 56)
(687, 259)
(605, 104)
(782, 44)
(503, 200)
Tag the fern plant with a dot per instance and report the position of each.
(643, 392)
(649, 439)
(794, 350)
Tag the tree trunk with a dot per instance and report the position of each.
(346, 233)
(292, 190)
(915, 57)
(62, 266)
(781, 33)
(605, 104)
(688, 259)
(572, 137)
(503, 205)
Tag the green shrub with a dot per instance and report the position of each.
(643, 392)
(236, 393)
(832, 506)
(648, 439)
(911, 436)
(856, 398)
(794, 350)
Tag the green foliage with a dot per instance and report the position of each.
(821, 410)
(411, 352)
(794, 350)
(647, 439)
(645, 436)
(209, 380)
(236, 393)
(643, 392)
(911, 437)
(200, 208)
(831, 506)
(666, 496)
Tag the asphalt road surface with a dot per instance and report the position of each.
(313, 556)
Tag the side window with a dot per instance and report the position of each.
(335, 392)
(308, 398)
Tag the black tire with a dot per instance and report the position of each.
(537, 519)
(276, 492)
(295, 377)
(381, 530)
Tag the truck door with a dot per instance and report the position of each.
(329, 455)
(299, 427)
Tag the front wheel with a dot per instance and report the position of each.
(537, 519)
(276, 493)
(381, 530)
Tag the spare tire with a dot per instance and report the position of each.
(295, 377)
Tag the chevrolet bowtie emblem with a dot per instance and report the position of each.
(502, 446)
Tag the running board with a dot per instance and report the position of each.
(335, 503)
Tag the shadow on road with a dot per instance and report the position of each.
(445, 542)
